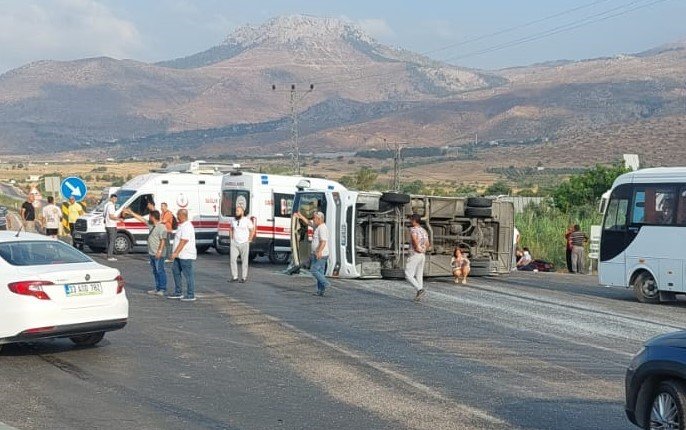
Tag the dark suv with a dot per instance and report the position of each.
(656, 383)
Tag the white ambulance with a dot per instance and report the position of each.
(268, 201)
(195, 187)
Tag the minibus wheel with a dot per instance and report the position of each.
(645, 288)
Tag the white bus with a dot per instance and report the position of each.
(643, 240)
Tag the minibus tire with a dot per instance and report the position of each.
(480, 262)
(640, 286)
(395, 198)
(471, 212)
(393, 273)
(479, 202)
(478, 272)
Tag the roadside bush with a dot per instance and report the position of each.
(542, 228)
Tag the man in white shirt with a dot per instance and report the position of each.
(320, 251)
(52, 215)
(109, 214)
(242, 233)
(184, 256)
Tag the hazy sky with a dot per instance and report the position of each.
(150, 30)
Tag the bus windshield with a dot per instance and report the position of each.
(309, 203)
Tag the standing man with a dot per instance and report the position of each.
(242, 233)
(28, 213)
(184, 256)
(414, 266)
(168, 221)
(157, 241)
(569, 247)
(111, 219)
(52, 216)
(320, 250)
(75, 210)
(578, 239)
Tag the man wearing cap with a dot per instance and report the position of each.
(242, 233)
(320, 250)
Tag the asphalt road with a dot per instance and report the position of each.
(539, 351)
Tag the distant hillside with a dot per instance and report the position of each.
(220, 101)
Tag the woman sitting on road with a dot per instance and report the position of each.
(460, 266)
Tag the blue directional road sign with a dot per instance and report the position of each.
(73, 187)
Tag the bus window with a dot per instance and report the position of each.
(615, 218)
(681, 207)
(653, 205)
(283, 205)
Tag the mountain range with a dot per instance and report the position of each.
(351, 92)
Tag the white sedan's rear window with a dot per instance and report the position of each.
(40, 253)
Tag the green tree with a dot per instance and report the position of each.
(363, 180)
(414, 187)
(498, 188)
(586, 188)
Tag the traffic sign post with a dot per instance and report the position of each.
(73, 187)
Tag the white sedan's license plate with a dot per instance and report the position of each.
(91, 289)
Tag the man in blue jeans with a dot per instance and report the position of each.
(156, 248)
(183, 257)
(320, 251)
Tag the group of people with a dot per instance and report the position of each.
(51, 215)
(170, 239)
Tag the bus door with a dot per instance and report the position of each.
(306, 203)
(616, 237)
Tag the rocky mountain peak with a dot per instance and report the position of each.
(297, 29)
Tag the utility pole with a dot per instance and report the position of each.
(295, 97)
(397, 153)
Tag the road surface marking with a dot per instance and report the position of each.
(341, 373)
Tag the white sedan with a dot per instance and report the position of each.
(49, 289)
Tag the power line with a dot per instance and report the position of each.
(591, 19)
(516, 27)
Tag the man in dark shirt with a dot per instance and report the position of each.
(578, 238)
(28, 213)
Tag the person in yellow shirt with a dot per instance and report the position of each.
(75, 211)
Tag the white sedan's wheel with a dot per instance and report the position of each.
(88, 339)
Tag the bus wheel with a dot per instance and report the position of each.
(645, 288)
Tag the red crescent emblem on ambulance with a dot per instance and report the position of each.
(182, 201)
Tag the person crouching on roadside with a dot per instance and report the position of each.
(460, 265)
